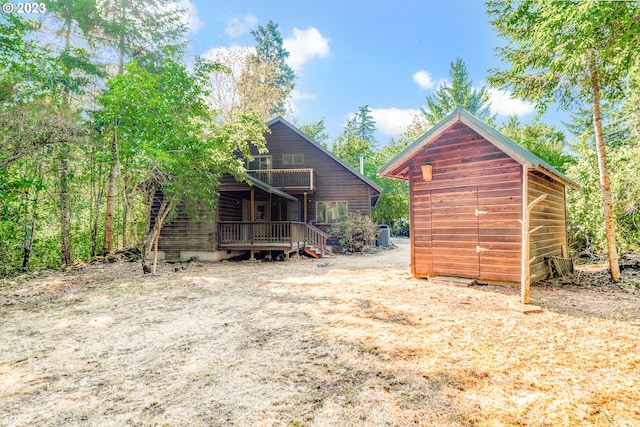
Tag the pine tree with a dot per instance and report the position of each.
(460, 93)
(270, 50)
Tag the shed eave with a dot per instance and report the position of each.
(405, 155)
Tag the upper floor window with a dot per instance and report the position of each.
(260, 163)
(292, 159)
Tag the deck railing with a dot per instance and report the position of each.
(260, 233)
(292, 179)
(277, 233)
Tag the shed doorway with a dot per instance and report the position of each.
(454, 232)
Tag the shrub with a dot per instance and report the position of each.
(355, 232)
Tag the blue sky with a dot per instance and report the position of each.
(388, 55)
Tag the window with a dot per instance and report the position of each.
(260, 163)
(292, 159)
(330, 212)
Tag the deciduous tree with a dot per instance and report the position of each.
(169, 133)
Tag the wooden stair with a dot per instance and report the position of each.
(312, 251)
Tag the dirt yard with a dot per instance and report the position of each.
(358, 342)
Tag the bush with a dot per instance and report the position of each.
(355, 232)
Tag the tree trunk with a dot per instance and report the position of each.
(107, 246)
(152, 235)
(125, 211)
(65, 214)
(30, 224)
(609, 221)
(94, 225)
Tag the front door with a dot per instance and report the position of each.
(262, 213)
(454, 232)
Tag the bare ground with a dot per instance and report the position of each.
(356, 343)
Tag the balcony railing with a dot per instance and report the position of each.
(287, 179)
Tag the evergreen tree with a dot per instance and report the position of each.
(357, 140)
(460, 93)
(270, 50)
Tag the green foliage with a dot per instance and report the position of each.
(584, 206)
(357, 140)
(355, 233)
(545, 141)
(141, 29)
(316, 131)
(571, 53)
(170, 139)
(393, 206)
(555, 47)
(460, 93)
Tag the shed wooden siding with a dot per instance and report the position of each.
(551, 214)
(469, 173)
(334, 182)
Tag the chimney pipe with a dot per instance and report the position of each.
(361, 164)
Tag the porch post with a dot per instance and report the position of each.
(305, 207)
(253, 218)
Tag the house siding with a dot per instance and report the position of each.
(333, 182)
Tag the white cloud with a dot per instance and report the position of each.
(298, 95)
(191, 18)
(424, 79)
(239, 26)
(504, 104)
(305, 45)
(393, 121)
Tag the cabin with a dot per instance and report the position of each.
(481, 206)
(292, 196)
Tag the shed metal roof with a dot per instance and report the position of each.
(506, 145)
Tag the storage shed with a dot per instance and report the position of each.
(469, 218)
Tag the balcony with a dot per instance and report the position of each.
(290, 180)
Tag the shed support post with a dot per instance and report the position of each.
(525, 277)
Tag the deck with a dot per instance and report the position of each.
(286, 236)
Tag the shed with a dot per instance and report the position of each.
(468, 216)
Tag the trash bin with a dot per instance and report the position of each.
(384, 235)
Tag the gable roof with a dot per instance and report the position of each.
(504, 144)
(341, 162)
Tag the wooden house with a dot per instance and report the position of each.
(481, 206)
(294, 193)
